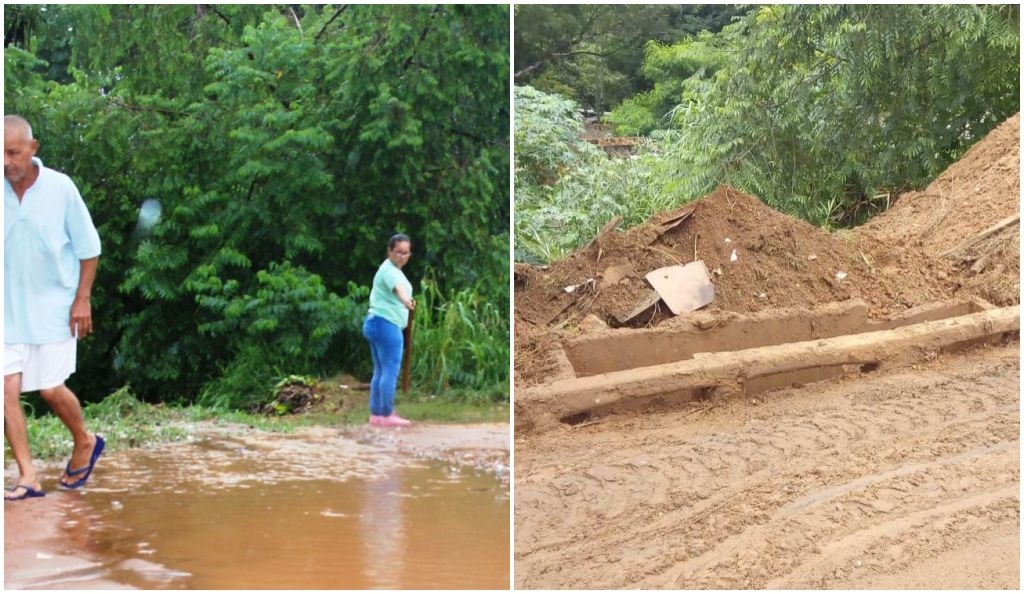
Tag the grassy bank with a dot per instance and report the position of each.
(126, 422)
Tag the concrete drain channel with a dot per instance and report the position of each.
(704, 353)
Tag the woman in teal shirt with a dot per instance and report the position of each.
(390, 303)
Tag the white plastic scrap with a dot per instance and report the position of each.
(840, 275)
(812, 257)
(733, 258)
(572, 288)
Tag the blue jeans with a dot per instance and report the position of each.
(386, 344)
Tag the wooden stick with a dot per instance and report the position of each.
(1014, 220)
(604, 230)
(407, 356)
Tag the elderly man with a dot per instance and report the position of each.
(51, 251)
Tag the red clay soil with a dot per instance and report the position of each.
(893, 263)
(780, 262)
(975, 193)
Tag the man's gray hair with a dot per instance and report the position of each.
(18, 123)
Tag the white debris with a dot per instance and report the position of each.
(812, 257)
(572, 288)
(840, 275)
(733, 258)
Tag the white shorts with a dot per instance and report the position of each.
(41, 366)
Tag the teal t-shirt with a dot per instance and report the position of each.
(383, 301)
(46, 236)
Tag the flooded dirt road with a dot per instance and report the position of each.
(423, 507)
(905, 478)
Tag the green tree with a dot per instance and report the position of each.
(822, 111)
(819, 109)
(284, 144)
(594, 53)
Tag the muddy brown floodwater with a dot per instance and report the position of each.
(425, 507)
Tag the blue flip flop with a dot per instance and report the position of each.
(84, 471)
(29, 493)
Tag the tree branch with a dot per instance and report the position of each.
(295, 18)
(529, 69)
(134, 107)
(213, 7)
(587, 53)
(468, 135)
(423, 35)
(334, 17)
(539, 63)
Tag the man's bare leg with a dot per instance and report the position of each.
(16, 431)
(66, 406)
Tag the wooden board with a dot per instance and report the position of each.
(643, 304)
(683, 288)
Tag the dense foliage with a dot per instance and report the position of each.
(593, 53)
(825, 112)
(565, 189)
(276, 148)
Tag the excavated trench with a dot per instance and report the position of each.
(706, 353)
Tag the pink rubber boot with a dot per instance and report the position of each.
(395, 421)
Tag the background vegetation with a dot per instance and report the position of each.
(824, 112)
(245, 166)
(593, 53)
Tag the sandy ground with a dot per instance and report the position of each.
(36, 552)
(906, 478)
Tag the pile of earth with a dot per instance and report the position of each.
(931, 246)
(757, 257)
(975, 194)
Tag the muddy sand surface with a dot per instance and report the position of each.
(905, 478)
(56, 542)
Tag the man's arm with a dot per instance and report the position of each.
(81, 307)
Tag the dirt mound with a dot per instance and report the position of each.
(758, 259)
(976, 194)
(779, 261)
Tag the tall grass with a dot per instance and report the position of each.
(120, 418)
(460, 342)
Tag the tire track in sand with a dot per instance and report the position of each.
(832, 484)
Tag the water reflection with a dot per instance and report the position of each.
(218, 525)
(383, 531)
